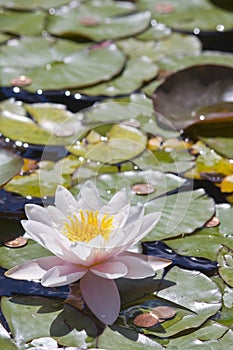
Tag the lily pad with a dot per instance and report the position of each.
(44, 180)
(72, 25)
(211, 336)
(122, 143)
(194, 297)
(173, 45)
(5, 340)
(190, 89)
(182, 213)
(10, 257)
(19, 23)
(34, 4)
(187, 16)
(225, 261)
(137, 71)
(31, 317)
(173, 64)
(54, 64)
(114, 338)
(109, 184)
(10, 165)
(50, 124)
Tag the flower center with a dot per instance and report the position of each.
(87, 226)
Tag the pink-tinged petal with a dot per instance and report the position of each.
(154, 262)
(110, 269)
(101, 296)
(137, 268)
(65, 201)
(37, 213)
(89, 197)
(82, 251)
(63, 275)
(52, 240)
(35, 269)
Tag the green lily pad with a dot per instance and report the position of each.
(173, 64)
(72, 25)
(155, 32)
(122, 143)
(225, 261)
(194, 291)
(137, 71)
(134, 108)
(31, 317)
(211, 336)
(10, 257)
(182, 213)
(226, 315)
(52, 124)
(10, 165)
(34, 4)
(44, 180)
(166, 161)
(54, 64)
(224, 212)
(187, 16)
(19, 23)
(221, 145)
(4, 37)
(173, 45)
(109, 184)
(114, 338)
(193, 296)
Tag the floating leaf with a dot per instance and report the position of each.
(52, 123)
(122, 143)
(10, 257)
(189, 90)
(227, 184)
(225, 261)
(180, 15)
(109, 184)
(114, 338)
(31, 317)
(34, 4)
(182, 213)
(44, 181)
(211, 336)
(19, 23)
(137, 71)
(168, 46)
(59, 64)
(10, 164)
(71, 25)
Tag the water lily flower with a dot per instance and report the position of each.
(89, 240)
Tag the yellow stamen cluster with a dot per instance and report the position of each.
(87, 226)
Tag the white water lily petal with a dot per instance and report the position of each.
(117, 202)
(37, 213)
(65, 201)
(153, 261)
(35, 269)
(110, 269)
(137, 268)
(55, 242)
(101, 296)
(56, 216)
(148, 223)
(89, 197)
(63, 275)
